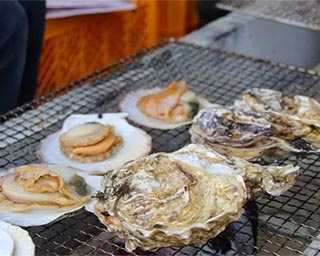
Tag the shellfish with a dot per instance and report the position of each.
(37, 194)
(184, 197)
(298, 107)
(248, 134)
(93, 144)
(167, 108)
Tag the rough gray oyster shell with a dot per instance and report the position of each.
(248, 134)
(298, 107)
(184, 197)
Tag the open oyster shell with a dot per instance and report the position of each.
(302, 108)
(249, 135)
(181, 198)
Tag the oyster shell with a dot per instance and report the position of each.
(231, 127)
(249, 135)
(39, 194)
(273, 180)
(184, 197)
(135, 143)
(15, 241)
(298, 107)
(167, 108)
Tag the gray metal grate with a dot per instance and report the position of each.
(302, 13)
(288, 224)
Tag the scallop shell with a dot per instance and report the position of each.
(7, 244)
(39, 217)
(136, 143)
(15, 241)
(129, 105)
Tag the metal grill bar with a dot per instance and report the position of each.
(288, 224)
(300, 13)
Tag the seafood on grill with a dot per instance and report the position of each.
(15, 241)
(95, 144)
(249, 135)
(90, 142)
(184, 197)
(298, 107)
(166, 108)
(37, 194)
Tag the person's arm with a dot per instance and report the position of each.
(35, 11)
(13, 43)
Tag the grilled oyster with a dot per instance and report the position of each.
(258, 179)
(184, 197)
(249, 135)
(302, 108)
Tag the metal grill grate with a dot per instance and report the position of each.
(288, 224)
(300, 13)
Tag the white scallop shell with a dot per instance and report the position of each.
(15, 241)
(7, 244)
(136, 143)
(129, 105)
(39, 217)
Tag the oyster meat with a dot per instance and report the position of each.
(248, 134)
(166, 108)
(184, 197)
(298, 107)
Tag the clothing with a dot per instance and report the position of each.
(21, 35)
(13, 45)
(35, 11)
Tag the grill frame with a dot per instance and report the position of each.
(295, 13)
(81, 233)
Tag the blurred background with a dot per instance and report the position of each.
(81, 39)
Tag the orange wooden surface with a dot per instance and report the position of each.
(76, 46)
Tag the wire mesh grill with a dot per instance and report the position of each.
(288, 224)
(295, 12)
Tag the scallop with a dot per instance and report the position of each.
(38, 194)
(15, 241)
(133, 142)
(170, 109)
(184, 197)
